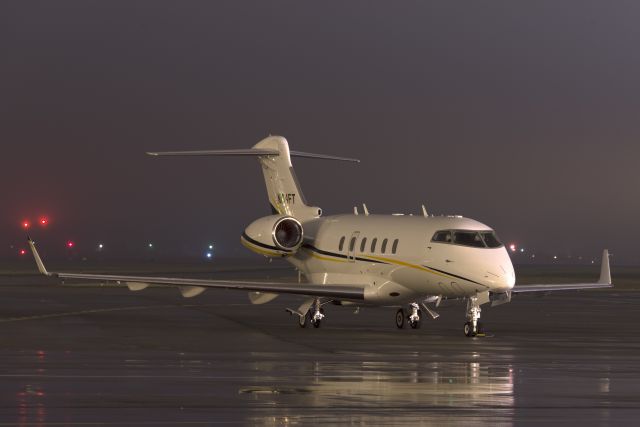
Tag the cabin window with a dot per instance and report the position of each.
(394, 248)
(341, 245)
(352, 244)
(442, 236)
(384, 245)
(373, 244)
(363, 244)
(468, 238)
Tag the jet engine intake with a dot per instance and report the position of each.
(274, 236)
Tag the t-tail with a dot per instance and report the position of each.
(283, 189)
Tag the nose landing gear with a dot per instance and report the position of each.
(473, 327)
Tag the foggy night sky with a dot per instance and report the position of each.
(522, 115)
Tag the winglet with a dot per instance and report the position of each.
(605, 271)
(39, 262)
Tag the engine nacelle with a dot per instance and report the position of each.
(273, 236)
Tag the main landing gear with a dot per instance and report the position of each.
(473, 327)
(314, 315)
(413, 319)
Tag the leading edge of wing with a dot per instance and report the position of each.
(354, 292)
(331, 291)
(518, 289)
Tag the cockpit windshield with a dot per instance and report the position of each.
(468, 238)
(475, 239)
(490, 239)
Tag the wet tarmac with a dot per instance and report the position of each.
(76, 355)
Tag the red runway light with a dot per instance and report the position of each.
(23, 252)
(26, 224)
(70, 244)
(44, 220)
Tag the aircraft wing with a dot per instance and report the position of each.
(518, 289)
(193, 287)
(603, 282)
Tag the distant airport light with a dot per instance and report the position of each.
(70, 244)
(521, 249)
(100, 246)
(209, 255)
(512, 247)
(555, 257)
(26, 224)
(150, 245)
(44, 221)
(22, 252)
(210, 247)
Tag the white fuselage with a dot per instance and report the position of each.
(415, 268)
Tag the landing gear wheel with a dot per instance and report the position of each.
(316, 323)
(303, 320)
(468, 329)
(400, 318)
(415, 324)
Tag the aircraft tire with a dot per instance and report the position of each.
(400, 318)
(468, 330)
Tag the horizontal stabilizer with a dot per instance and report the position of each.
(249, 152)
(242, 152)
(322, 156)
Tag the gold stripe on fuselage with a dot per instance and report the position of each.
(406, 264)
(258, 249)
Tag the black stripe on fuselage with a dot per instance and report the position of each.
(262, 245)
(333, 254)
(453, 275)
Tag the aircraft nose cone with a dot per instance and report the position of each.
(509, 277)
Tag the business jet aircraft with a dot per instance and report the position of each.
(408, 262)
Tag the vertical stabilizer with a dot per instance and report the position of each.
(283, 189)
